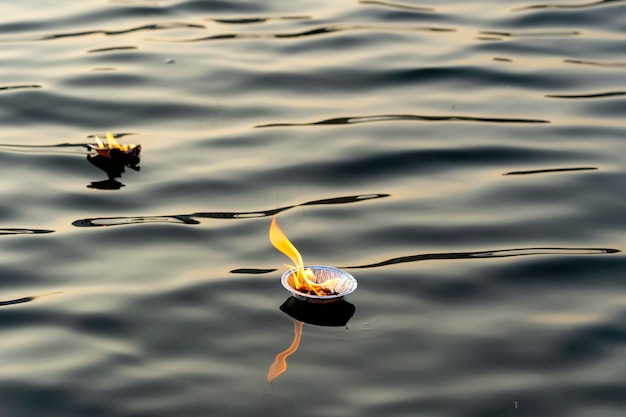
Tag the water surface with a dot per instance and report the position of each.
(464, 161)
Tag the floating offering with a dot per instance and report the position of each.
(112, 149)
(317, 284)
(113, 158)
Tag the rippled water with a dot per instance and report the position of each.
(463, 160)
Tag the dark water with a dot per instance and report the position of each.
(463, 160)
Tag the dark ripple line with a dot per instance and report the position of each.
(568, 6)
(14, 231)
(155, 26)
(19, 87)
(397, 5)
(25, 299)
(549, 170)
(498, 253)
(310, 32)
(113, 48)
(530, 34)
(404, 117)
(190, 218)
(596, 63)
(251, 20)
(587, 96)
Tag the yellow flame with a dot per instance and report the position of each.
(280, 363)
(112, 143)
(303, 280)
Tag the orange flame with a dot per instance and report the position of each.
(303, 280)
(112, 144)
(280, 363)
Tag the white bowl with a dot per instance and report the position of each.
(347, 284)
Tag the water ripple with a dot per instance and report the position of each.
(498, 253)
(190, 218)
(550, 170)
(404, 117)
(397, 5)
(150, 27)
(113, 48)
(323, 30)
(568, 6)
(13, 231)
(588, 96)
(22, 300)
(19, 87)
(596, 63)
(252, 20)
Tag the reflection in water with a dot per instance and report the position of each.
(23, 231)
(586, 96)
(549, 170)
(498, 253)
(404, 117)
(333, 314)
(280, 362)
(189, 218)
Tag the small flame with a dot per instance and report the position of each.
(303, 280)
(112, 144)
(280, 363)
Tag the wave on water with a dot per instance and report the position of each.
(190, 218)
(17, 231)
(497, 253)
(404, 117)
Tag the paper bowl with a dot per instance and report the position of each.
(347, 284)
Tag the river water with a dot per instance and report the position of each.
(465, 161)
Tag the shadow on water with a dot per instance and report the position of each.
(335, 314)
(403, 117)
(190, 218)
(497, 253)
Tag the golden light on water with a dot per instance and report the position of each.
(303, 279)
(280, 363)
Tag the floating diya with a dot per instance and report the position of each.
(316, 284)
(112, 148)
